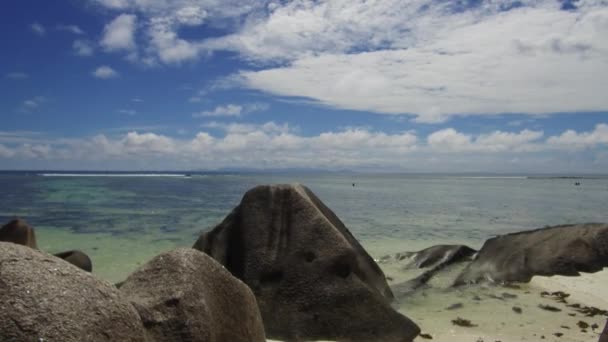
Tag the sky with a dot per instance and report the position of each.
(362, 85)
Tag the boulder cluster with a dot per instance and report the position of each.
(281, 265)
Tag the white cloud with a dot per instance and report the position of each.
(38, 29)
(572, 140)
(430, 59)
(450, 140)
(167, 45)
(32, 104)
(17, 76)
(83, 47)
(70, 28)
(105, 72)
(232, 110)
(137, 99)
(273, 145)
(227, 110)
(119, 34)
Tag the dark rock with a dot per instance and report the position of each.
(582, 324)
(560, 250)
(436, 255)
(549, 308)
(604, 334)
(426, 336)
(435, 259)
(517, 309)
(507, 295)
(185, 295)
(43, 298)
(311, 277)
(78, 259)
(558, 334)
(461, 322)
(19, 232)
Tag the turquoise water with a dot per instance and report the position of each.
(123, 221)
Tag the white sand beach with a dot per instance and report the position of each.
(492, 311)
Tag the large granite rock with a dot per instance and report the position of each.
(19, 232)
(185, 295)
(560, 250)
(432, 261)
(43, 298)
(432, 257)
(311, 277)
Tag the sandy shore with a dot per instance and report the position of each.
(491, 309)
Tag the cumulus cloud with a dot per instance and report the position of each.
(275, 145)
(450, 140)
(83, 47)
(38, 29)
(119, 34)
(104, 72)
(571, 139)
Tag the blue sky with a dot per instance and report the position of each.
(419, 86)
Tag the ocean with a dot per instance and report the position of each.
(123, 219)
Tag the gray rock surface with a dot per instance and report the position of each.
(438, 255)
(185, 295)
(43, 298)
(311, 277)
(560, 250)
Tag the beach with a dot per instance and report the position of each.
(122, 222)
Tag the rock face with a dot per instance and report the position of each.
(185, 295)
(439, 255)
(311, 278)
(78, 259)
(43, 298)
(19, 232)
(604, 334)
(433, 260)
(560, 250)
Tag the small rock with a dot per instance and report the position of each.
(507, 295)
(516, 309)
(558, 334)
(463, 322)
(455, 306)
(426, 336)
(549, 308)
(582, 324)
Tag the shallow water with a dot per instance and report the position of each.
(122, 222)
